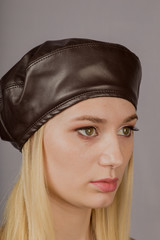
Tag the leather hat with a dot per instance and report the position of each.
(58, 74)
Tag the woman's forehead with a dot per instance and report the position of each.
(98, 108)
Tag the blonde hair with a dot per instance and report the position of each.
(27, 214)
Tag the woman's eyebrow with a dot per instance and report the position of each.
(90, 118)
(102, 120)
(130, 118)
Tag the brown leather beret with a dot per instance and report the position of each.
(57, 74)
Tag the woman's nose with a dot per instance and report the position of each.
(111, 154)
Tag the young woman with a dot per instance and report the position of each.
(70, 107)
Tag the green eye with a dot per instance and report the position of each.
(88, 131)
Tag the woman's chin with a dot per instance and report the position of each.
(101, 201)
(104, 204)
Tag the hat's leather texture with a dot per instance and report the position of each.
(58, 74)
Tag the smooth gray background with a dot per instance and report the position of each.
(134, 23)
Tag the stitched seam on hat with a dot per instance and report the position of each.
(12, 87)
(60, 51)
(61, 104)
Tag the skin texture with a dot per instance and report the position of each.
(74, 157)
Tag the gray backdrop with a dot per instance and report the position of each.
(134, 23)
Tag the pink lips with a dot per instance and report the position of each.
(106, 185)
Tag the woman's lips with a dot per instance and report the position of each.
(106, 185)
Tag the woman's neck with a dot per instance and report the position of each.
(71, 222)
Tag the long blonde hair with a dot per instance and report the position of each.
(27, 214)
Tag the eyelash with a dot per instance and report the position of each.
(132, 129)
(85, 128)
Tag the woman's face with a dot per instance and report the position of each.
(87, 148)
